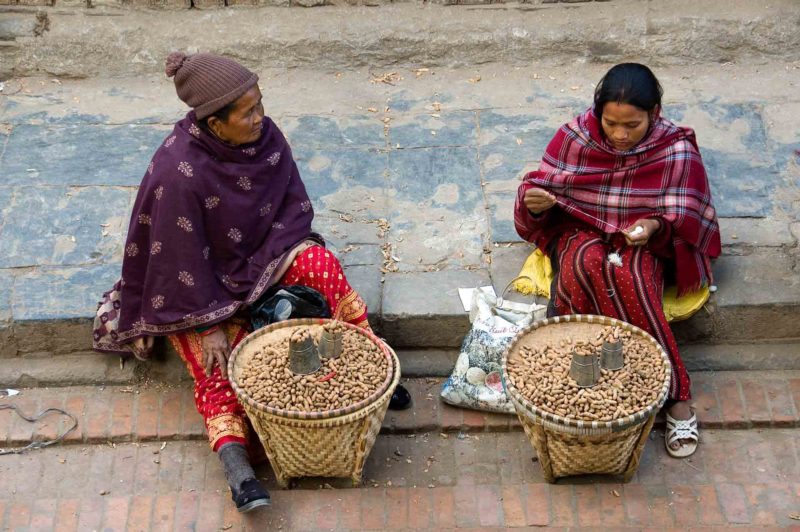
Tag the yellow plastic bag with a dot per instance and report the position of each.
(537, 276)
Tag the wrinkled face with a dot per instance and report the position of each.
(624, 124)
(244, 123)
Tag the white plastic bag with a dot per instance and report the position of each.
(476, 382)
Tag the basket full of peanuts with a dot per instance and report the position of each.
(586, 390)
(316, 392)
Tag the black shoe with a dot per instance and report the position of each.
(401, 399)
(250, 496)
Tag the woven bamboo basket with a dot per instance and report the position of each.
(333, 443)
(568, 446)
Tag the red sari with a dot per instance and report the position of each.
(601, 191)
(216, 401)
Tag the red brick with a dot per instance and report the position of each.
(7, 419)
(794, 389)
(191, 421)
(139, 513)
(43, 514)
(124, 474)
(350, 510)
(22, 431)
(731, 403)
(169, 421)
(637, 504)
(705, 401)
(90, 516)
(684, 502)
(784, 413)
(121, 417)
(498, 422)
(397, 508)
(466, 506)
(146, 478)
(490, 505)
(147, 416)
(187, 510)
(450, 418)
(537, 505)
(588, 504)
(612, 508)
(661, 512)
(710, 512)
(163, 517)
(444, 508)
(771, 503)
(513, 506)
(193, 467)
(28, 474)
(562, 504)
(473, 420)
(755, 400)
(231, 517)
(98, 420)
(116, 514)
(734, 505)
(209, 517)
(19, 516)
(75, 405)
(372, 508)
(327, 509)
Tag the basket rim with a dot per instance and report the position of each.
(242, 394)
(531, 409)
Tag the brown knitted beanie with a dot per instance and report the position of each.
(208, 82)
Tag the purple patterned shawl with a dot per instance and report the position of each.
(211, 225)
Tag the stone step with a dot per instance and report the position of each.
(367, 152)
(73, 41)
(723, 400)
(90, 368)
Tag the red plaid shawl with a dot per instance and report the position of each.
(662, 176)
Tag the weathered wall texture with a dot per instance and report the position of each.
(80, 42)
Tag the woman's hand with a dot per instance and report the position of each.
(639, 233)
(216, 349)
(538, 200)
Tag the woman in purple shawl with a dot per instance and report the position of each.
(221, 216)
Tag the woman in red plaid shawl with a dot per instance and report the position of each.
(621, 201)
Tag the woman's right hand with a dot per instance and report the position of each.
(538, 200)
(216, 349)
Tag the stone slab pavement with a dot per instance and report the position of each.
(426, 481)
(412, 173)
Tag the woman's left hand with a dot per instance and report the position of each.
(216, 349)
(639, 233)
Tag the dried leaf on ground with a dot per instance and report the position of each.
(476, 79)
(390, 78)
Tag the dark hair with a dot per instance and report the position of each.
(630, 83)
(221, 114)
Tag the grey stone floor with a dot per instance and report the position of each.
(422, 170)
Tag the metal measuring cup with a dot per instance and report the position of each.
(303, 354)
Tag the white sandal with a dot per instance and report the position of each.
(681, 429)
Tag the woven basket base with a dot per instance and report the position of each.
(563, 455)
(318, 451)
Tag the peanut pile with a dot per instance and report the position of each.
(354, 376)
(541, 374)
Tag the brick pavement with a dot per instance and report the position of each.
(147, 413)
(746, 478)
(434, 467)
